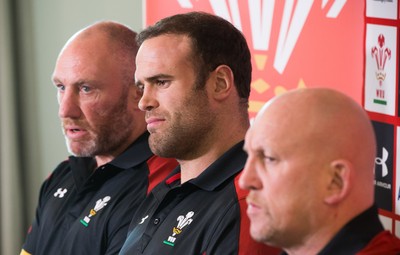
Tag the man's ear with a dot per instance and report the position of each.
(135, 94)
(223, 82)
(340, 181)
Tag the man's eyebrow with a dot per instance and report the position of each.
(55, 79)
(78, 83)
(154, 78)
(158, 77)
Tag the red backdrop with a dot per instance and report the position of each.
(314, 49)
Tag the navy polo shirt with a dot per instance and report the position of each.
(205, 215)
(83, 210)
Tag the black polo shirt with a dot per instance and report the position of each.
(82, 211)
(205, 215)
(355, 235)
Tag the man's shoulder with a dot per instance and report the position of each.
(383, 243)
(62, 169)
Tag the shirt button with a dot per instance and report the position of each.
(156, 221)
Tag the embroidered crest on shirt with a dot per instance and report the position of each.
(60, 192)
(182, 222)
(100, 204)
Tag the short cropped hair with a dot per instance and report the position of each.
(122, 42)
(215, 42)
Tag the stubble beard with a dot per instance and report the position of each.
(108, 136)
(185, 138)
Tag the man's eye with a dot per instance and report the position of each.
(269, 159)
(161, 82)
(140, 86)
(266, 158)
(60, 87)
(85, 89)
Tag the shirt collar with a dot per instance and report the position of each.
(84, 168)
(226, 166)
(355, 235)
(138, 152)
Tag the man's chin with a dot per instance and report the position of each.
(78, 150)
(74, 152)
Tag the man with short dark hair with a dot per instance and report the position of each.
(195, 73)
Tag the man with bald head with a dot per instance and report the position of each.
(310, 175)
(86, 204)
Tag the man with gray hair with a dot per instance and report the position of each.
(86, 204)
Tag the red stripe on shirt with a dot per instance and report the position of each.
(159, 169)
(173, 178)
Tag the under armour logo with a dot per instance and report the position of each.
(382, 161)
(60, 192)
(143, 219)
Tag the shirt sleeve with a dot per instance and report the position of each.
(34, 230)
(383, 243)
